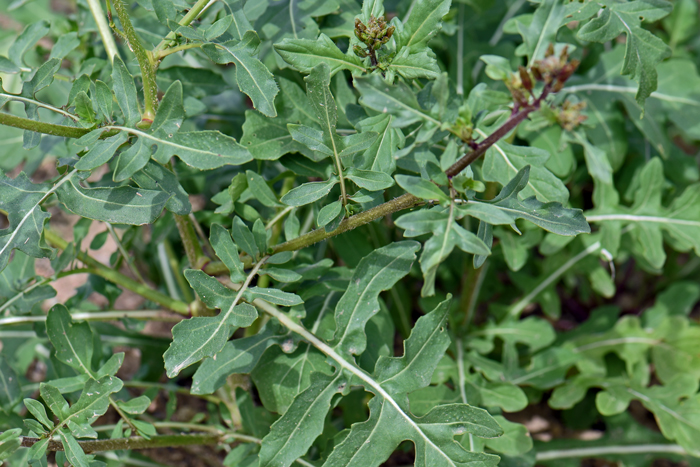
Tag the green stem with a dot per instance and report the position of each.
(175, 266)
(105, 32)
(193, 249)
(99, 269)
(42, 127)
(134, 442)
(17, 98)
(185, 21)
(611, 451)
(519, 306)
(405, 201)
(150, 315)
(160, 55)
(471, 285)
(129, 260)
(35, 285)
(146, 62)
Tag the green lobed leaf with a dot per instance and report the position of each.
(26, 40)
(203, 150)
(503, 161)
(643, 50)
(20, 199)
(292, 434)
(680, 219)
(120, 205)
(200, 337)
(154, 176)
(552, 217)
(238, 356)
(377, 272)
(251, 75)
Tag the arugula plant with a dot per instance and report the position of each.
(378, 232)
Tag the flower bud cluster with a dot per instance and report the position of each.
(373, 35)
(570, 116)
(554, 70)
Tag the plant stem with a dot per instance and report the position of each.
(151, 315)
(185, 21)
(36, 284)
(518, 307)
(160, 55)
(398, 204)
(17, 98)
(146, 63)
(175, 266)
(99, 269)
(105, 32)
(134, 442)
(611, 450)
(193, 249)
(471, 286)
(42, 127)
(129, 260)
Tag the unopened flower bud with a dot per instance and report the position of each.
(525, 78)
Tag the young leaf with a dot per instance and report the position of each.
(36, 408)
(125, 92)
(227, 252)
(503, 161)
(244, 237)
(305, 55)
(131, 161)
(171, 111)
(72, 341)
(421, 188)
(308, 192)
(101, 152)
(369, 180)
(260, 189)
